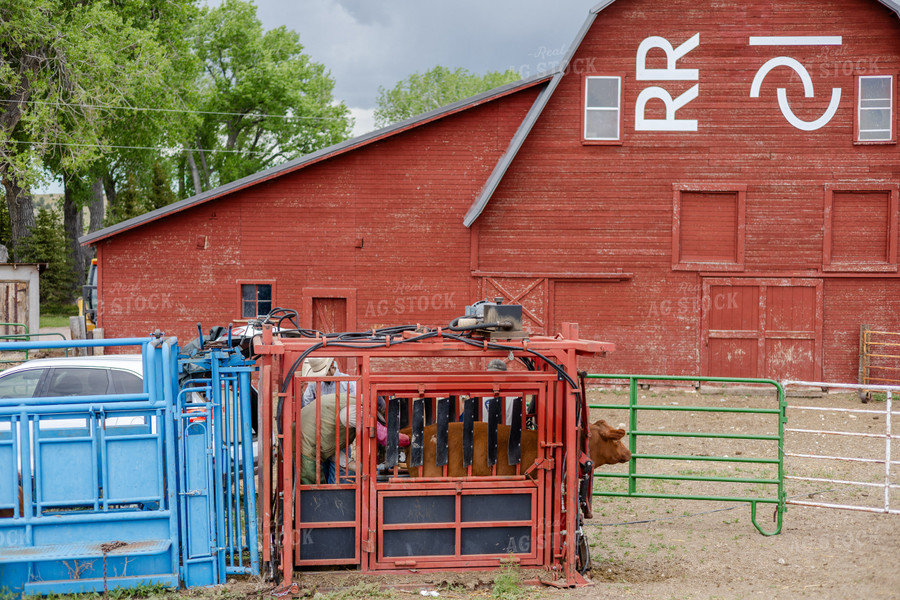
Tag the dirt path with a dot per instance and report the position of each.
(655, 548)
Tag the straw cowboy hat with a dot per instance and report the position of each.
(316, 367)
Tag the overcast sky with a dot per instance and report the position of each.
(371, 43)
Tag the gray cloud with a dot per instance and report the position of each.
(371, 43)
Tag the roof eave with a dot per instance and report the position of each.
(314, 157)
(531, 118)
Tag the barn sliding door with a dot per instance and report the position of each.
(768, 328)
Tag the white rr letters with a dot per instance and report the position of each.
(670, 73)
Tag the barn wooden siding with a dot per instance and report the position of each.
(748, 247)
(597, 209)
(378, 226)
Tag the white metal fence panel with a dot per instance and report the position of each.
(886, 412)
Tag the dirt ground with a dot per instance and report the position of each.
(680, 549)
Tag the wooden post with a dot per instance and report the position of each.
(77, 330)
(863, 362)
(97, 334)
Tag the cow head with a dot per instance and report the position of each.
(606, 447)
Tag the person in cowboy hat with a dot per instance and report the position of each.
(323, 367)
(331, 435)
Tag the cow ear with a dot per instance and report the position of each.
(610, 434)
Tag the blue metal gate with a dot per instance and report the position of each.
(130, 489)
(217, 493)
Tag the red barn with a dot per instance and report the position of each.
(712, 186)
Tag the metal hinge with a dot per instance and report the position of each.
(368, 544)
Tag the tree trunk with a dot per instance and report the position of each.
(195, 175)
(181, 192)
(73, 224)
(21, 216)
(205, 171)
(109, 186)
(96, 206)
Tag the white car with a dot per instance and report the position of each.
(74, 376)
(78, 376)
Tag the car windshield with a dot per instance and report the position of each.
(20, 384)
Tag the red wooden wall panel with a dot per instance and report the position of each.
(861, 223)
(709, 223)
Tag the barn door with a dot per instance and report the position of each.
(329, 314)
(14, 295)
(768, 328)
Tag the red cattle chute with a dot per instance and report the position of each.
(379, 518)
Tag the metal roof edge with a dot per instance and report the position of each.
(316, 156)
(496, 176)
(894, 5)
(600, 6)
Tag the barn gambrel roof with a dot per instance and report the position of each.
(519, 138)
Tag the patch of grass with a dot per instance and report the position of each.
(150, 590)
(360, 591)
(54, 321)
(60, 310)
(508, 584)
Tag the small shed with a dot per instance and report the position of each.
(20, 297)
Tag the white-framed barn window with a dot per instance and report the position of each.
(875, 108)
(602, 108)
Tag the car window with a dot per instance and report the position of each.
(20, 384)
(126, 382)
(76, 382)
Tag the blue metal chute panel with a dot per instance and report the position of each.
(131, 463)
(8, 466)
(109, 458)
(200, 557)
(217, 497)
(199, 510)
(67, 463)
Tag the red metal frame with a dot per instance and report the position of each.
(385, 371)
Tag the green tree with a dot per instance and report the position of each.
(62, 64)
(127, 203)
(263, 100)
(159, 193)
(130, 128)
(47, 244)
(422, 92)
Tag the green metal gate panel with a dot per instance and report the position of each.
(636, 474)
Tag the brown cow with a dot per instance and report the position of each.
(7, 513)
(606, 448)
